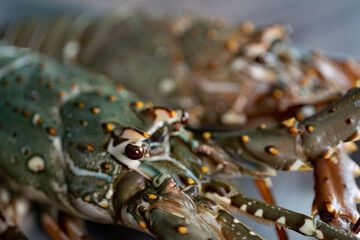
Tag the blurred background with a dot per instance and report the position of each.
(329, 25)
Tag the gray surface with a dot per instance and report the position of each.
(329, 25)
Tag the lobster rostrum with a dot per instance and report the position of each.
(89, 147)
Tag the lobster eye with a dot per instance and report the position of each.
(134, 152)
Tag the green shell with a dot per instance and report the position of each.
(48, 110)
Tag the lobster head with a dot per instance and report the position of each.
(159, 208)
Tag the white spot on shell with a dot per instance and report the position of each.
(319, 234)
(71, 50)
(216, 197)
(281, 220)
(238, 64)
(296, 165)
(109, 193)
(236, 221)
(167, 86)
(36, 164)
(252, 233)
(259, 213)
(243, 207)
(35, 118)
(305, 112)
(231, 117)
(308, 228)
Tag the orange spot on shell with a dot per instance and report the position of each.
(272, 150)
(110, 127)
(248, 27)
(173, 113)
(205, 169)
(81, 105)
(89, 148)
(119, 87)
(206, 135)
(293, 131)
(182, 230)
(232, 45)
(107, 166)
(245, 138)
(191, 181)
(142, 225)
(152, 196)
(310, 128)
(95, 110)
(112, 98)
(61, 94)
(139, 104)
(278, 93)
(288, 122)
(146, 135)
(26, 113)
(51, 131)
(39, 120)
(74, 86)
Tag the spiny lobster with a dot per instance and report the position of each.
(141, 168)
(221, 74)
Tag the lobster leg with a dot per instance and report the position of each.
(265, 188)
(303, 224)
(300, 223)
(336, 191)
(52, 227)
(74, 227)
(12, 213)
(63, 227)
(291, 145)
(8, 230)
(233, 228)
(230, 227)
